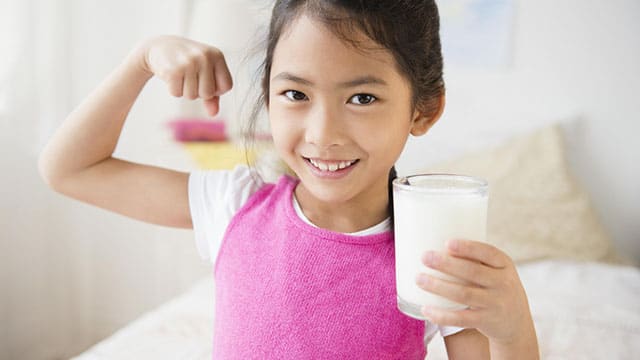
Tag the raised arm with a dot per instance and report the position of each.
(78, 160)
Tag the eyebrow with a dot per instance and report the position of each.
(362, 80)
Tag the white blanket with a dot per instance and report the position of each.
(581, 311)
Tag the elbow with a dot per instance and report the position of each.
(45, 171)
(48, 173)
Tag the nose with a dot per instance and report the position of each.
(324, 127)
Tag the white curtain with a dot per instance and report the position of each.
(71, 274)
(33, 92)
(34, 68)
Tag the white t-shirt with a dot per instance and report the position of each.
(216, 196)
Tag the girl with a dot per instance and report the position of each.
(304, 268)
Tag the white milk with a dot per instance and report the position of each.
(429, 210)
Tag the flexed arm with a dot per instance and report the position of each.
(78, 161)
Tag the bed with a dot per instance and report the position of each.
(581, 310)
(584, 298)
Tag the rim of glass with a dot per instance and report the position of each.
(474, 185)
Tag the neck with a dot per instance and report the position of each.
(348, 216)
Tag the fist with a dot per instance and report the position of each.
(189, 68)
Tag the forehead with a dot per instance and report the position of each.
(309, 49)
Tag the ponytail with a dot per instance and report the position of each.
(392, 175)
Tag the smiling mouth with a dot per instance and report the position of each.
(331, 166)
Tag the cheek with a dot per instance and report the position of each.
(386, 132)
(282, 132)
(275, 121)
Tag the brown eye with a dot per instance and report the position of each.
(295, 95)
(362, 99)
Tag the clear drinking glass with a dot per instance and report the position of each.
(430, 209)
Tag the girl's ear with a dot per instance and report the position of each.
(423, 121)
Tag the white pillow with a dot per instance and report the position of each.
(536, 208)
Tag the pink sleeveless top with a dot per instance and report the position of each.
(288, 290)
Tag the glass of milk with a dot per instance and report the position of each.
(428, 210)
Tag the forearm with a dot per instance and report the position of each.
(90, 133)
(524, 347)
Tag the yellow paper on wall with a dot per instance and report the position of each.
(218, 155)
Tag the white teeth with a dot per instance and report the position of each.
(332, 166)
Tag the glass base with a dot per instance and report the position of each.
(409, 309)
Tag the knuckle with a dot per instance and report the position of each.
(207, 92)
(213, 53)
(435, 260)
(502, 256)
(436, 285)
(467, 294)
(494, 256)
(210, 54)
(226, 85)
(463, 246)
(469, 271)
(200, 56)
(222, 84)
(172, 73)
(192, 96)
(205, 95)
(428, 283)
(164, 74)
(173, 77)
(192, 66)
(175, 92)
(186, 66)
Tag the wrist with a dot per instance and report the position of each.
(522, 346)
(136, 62)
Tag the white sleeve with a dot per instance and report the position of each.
(449, 330)
(215, 196)
(431, 329)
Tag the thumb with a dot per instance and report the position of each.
(212, 105)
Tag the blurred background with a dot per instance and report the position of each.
(71, 274)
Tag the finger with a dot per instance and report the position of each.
(223, 81)
(212, 105)
(465, 269)
(467, 318)
(478, 251)
(190, 87)
(175, 84)
(206, 81)
(463, 294)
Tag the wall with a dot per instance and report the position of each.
(574, 62)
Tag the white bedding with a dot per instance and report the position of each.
(582, 310)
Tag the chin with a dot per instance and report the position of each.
(325, 192)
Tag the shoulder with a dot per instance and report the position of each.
(272, 194)
(230, 190)
(215, 196)
(240, 179)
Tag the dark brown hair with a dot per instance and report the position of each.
(408, 29)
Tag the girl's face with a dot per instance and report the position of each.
(339, 116)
